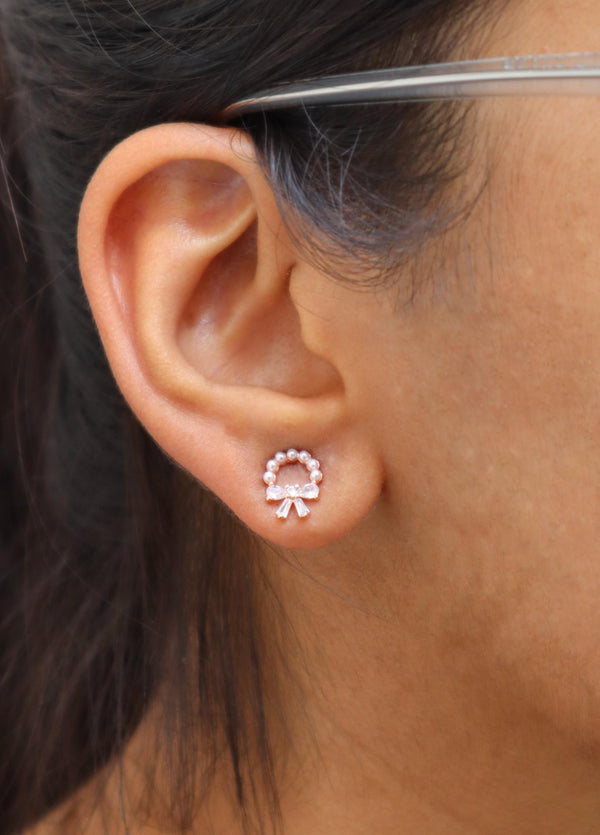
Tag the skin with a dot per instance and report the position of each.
(444, 590)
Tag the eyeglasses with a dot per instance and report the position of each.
(576, 73)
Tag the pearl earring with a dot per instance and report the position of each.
(292, 494)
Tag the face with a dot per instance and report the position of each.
(481, 398)
(485, 393)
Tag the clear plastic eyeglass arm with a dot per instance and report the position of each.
(576, 73)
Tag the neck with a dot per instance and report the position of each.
(420, 711)
(410, 709)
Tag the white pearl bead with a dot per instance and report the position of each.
(269, 477)
(316, 476)
(280, 457)
(292, 454)
(304, 456)
(273, 466)
(313, 464)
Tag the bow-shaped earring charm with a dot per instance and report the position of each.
(292, 494)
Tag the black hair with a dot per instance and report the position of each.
(108, 550)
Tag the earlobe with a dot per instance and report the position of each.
(186, 263)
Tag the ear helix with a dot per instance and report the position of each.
(292, 494)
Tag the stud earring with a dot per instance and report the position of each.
(292, 494)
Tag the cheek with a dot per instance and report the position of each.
(492, 420)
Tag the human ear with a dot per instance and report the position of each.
(186, 263)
